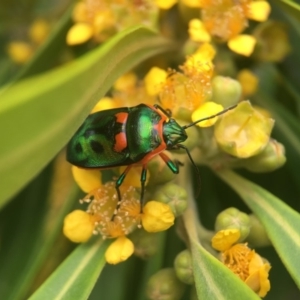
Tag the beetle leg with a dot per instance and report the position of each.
(143, 180)
(173, 166)
(118, 184)
(167, 112)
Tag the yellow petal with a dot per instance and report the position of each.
(198, 32)
(87, 179)
(242, 44)
(79, 33)
(126, 82)
(78, 226)
(154, 80)
(192, 3)
(105, 103)
(259, 10)
(205, 110)
(248, 81)
(224, 239)
(157, 216)
(119, 250)
(258, 276)
(165, 4)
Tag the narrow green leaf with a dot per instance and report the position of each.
(76, 276)
(291, 7)
(212, 279)
(281, 222)
(39, 115)
(40, 250)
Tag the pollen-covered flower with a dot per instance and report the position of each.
(241, 260)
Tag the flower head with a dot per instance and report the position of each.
(241, 260)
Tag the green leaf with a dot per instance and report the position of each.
(281, 222)
(77, 275)
(291, 7)
(39, 115)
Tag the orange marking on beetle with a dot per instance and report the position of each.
(122, 117)
(121, 142)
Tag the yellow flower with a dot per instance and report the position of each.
(154, 80)
(119, 250)
(205, 110)
(243, 132)
(87, 179)
(105, 103)
(243, 261)
(79, 226)
(242, 44)
(157, 216)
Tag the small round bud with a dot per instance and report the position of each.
(270, 159)
(145, 243)
(184, 267)
(272, 41)
(173, 195)
(258, 236)
(232, 218)
(165, 285)
(226, 91)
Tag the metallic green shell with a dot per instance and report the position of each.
(93, 144)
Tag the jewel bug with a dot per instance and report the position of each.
(128, 136)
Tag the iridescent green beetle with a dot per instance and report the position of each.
(128, 136)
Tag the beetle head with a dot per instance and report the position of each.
(173, 133)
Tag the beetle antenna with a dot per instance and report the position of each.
(210, 117)
(194, 165)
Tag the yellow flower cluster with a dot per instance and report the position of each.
(110, 218)
(99, 20)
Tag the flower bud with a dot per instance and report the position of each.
(270, 159)
(272, 41)
(243, 132)
(165, 285)
(173, 195)
(184, 267)
(258, 236)
(232, 218)
(226, 91)
(145, 243)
